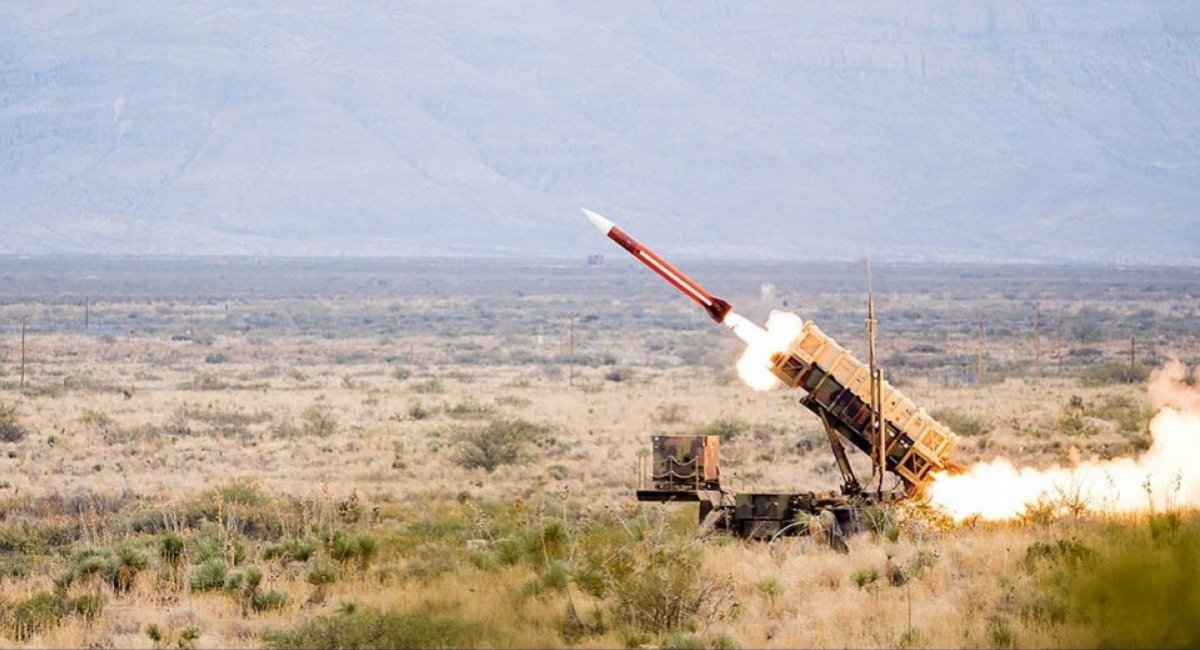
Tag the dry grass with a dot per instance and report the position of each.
(307, 435)
(172, 441)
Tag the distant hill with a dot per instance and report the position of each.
(963, 130)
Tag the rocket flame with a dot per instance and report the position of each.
(1169, 471)
(754, 367)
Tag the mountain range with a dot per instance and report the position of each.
(951, 130)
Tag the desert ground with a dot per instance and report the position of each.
(238, 452)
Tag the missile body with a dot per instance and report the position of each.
(715, 307)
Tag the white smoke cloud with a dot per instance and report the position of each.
(1168, 387)
(1168, 473)
(754, 367)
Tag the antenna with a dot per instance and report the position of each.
(571, 352)
(878, 460)
(1037, 338)
(24, 323)
(979, 375)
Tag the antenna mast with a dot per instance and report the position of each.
(878, 459)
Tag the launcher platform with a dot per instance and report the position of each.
(837, 387)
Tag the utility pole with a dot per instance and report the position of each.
(24, 322)
(979, 373)
(571, 353)
(1059, 336)
(1132, 356)
(1037, 339)
(87, 312)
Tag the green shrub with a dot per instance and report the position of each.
(244, 587)
(208, 575)
(209, 548)
(1002, 633)
(653, 580)
(554, 577)
(11, 429)
(428, 387)
(188, 636)
(43, 611)
(318, 420)
(270, 601)
(922, 560)
(1073, 422)
(258, 514)
(726, 428)
(864, 578)
(417, 411)
(469, 410)
(89, 562)
(685, 641)
(252, 578)
(510, 550)
(369, 628)
(1112, 372)
(1068, 553)
(501, 442)
(119, 570)
(15, 566)
(130, 561)
(619, 374)
(368, 547)
(292, 550)
(170, 549)
(1125, 412)
(672, 413)
(33, 615)
(962, 424)
(86, 606)
(242, 491)
(771, 588)
(321, 576)
(1164, 524)
(1140, 593)
(659, 597)
(360, 549)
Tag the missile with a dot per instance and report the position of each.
(715, 307)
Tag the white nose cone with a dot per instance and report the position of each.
(601, 224)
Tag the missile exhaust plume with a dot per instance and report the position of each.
(1166, 474)
(754, 367)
